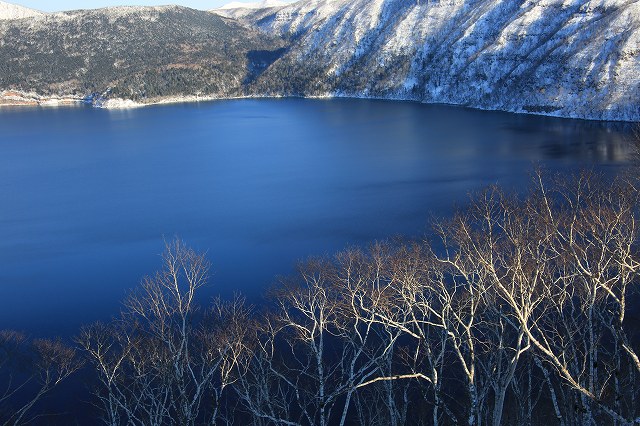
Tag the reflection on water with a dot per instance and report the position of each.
(87, 195)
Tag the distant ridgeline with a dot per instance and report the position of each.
(567, 58)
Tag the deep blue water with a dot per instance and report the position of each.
(87, 195)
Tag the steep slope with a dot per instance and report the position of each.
(13, 11)
(573, 58)
(139, 53)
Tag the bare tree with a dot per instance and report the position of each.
(486, 248)
(417, 311)
(163, 362)
(30, 370)
(332, 343)
(555, 268)
(328, 348)
(594, 232)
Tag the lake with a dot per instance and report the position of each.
(87, 195)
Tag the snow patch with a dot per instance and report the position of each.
(10, 11)
(257, 5)
(118, 103)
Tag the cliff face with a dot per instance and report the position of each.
(572, 58)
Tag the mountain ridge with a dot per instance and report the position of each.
(570, 58)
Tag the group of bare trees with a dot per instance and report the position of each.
(519, 312)
(519, 309)
(165, 362)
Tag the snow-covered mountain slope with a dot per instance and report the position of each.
(13, 11)
(137, 53)
(256, 5)
(249, 11)
(574, 58)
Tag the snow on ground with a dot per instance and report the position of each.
(13, 11)
(256, 5)
(574, 58)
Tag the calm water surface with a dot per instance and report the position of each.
(87, 195)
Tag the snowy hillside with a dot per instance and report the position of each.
(13, 11)
(244, 11)
(257, 5)
(571, 58)
(143, 54)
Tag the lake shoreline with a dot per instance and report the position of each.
(14, 98)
